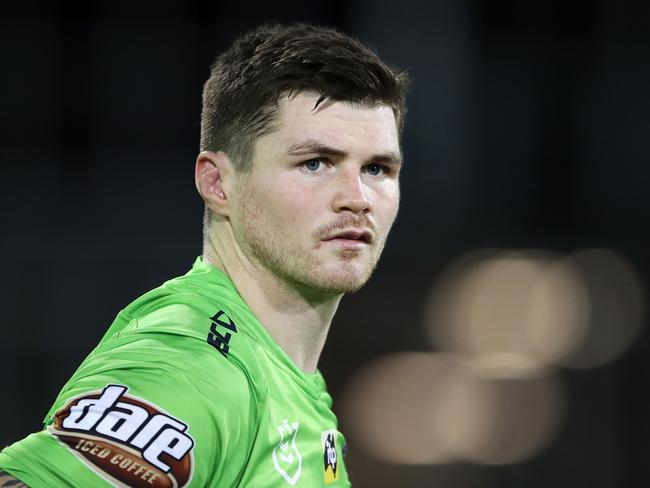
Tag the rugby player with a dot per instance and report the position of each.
(211, 379)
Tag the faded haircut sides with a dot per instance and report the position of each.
(240, 98)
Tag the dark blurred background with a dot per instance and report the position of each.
(528, 127)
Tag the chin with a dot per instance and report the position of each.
(347, 279)
(325, 276)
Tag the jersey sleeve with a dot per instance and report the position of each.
(151, 409)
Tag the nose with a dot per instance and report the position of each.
(350, 194)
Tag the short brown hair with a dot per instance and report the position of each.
(240, 97)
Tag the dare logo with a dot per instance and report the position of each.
(126, 440)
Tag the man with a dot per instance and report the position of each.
(211, 379)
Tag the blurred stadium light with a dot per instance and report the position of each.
(419, 408)
(502, 321)
(535, 309)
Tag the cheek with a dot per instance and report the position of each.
(387, 205)
(289, 208)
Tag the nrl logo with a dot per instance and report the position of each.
(330, 457)
(286, 457)
(125, 440)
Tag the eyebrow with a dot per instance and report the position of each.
(312, 146)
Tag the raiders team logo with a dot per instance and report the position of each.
(330, 456)
(126, 440)
(286, 456)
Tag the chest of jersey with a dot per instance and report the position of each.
(298, 443)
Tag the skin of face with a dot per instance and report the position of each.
(317, 206)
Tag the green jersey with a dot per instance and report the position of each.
(186, 389)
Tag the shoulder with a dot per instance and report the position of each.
(172, 370)
(206, 344)
(209, 311)
(171, 402)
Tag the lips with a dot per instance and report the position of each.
(357, 235)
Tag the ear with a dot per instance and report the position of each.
(213, 176)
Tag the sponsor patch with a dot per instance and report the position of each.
(330, 456)
(126, 440)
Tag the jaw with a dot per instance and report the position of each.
(345, 270)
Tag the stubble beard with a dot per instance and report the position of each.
(271, 248)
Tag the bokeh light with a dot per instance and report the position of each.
(530, 309)
(387, 406)
(417, 408)
(516, 311)
(502, 321)
(498, 420)
(617, 307)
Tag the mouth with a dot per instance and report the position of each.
(351, 238)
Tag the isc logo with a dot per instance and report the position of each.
(218, 340)
(126, 438)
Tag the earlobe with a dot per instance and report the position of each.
(212, 177)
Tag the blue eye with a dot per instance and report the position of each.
(375, 169)
(312, 164)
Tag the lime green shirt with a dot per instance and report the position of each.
(186, 389)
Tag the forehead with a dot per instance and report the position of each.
(348, 126)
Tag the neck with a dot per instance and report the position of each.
(296, 318)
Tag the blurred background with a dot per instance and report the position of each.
(503, 340)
